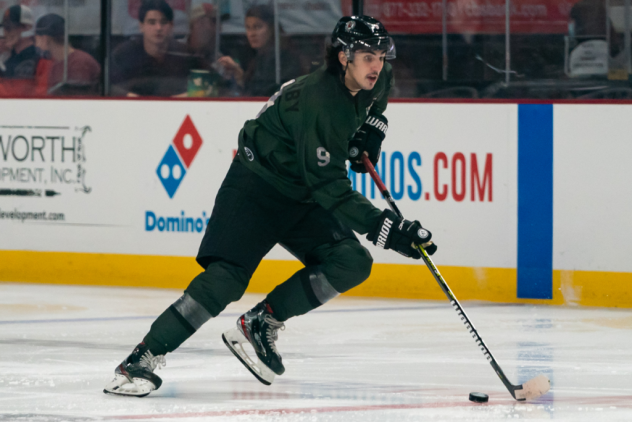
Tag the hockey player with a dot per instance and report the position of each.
(288, 185)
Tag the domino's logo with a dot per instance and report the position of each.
(179, 156)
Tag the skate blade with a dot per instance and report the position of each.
(121, 386)
(234, 340)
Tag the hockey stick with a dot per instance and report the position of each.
(529, 390)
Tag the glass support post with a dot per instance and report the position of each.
(444, 37)
(507, 41)
(626, 38)
(106, 47)
(277, 44)
(66, 41)
(64, 77)
(218, 31)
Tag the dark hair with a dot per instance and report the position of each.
(266, 14)
(332, 61)
(159, 5)
(52, 25)
(263, 12)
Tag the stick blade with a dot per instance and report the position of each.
(534, 388)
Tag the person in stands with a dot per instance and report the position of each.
(22, 72)
(258, 79)
(82, 70)
(155, 64)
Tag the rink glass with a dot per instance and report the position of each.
(547, 49)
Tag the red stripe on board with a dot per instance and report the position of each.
(147, 98)
(390, 100)
(289, 411)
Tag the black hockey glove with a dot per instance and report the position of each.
(368, 138)
(400, 235)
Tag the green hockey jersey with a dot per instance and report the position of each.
(300, 139)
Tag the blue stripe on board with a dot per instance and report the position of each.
(535, 201)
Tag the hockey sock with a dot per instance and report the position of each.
(207, 295)
(304, 291)
(343, 266)
(168, 332)
(221, 284)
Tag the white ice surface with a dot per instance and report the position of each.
(351, 360)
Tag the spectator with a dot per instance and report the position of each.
(83, 70)
(203, 32)
(259, 78)
(22, 71)
(4, 55)
(588, 19)
(201, 44)
(5, 52)
(154, 64)
(23, 59)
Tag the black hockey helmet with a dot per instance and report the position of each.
(353, 33)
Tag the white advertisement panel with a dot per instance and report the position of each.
(453, 168)
(87, 176)
(105, 189)
(593, 195)
(140, 177)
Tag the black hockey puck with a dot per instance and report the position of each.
(479, 397)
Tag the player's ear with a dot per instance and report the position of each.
(342, 57)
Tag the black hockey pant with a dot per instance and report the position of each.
(249, 217)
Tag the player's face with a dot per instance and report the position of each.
(156, 28)
(258, 32)
(363, 71)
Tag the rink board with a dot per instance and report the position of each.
(85, 198)
(585, 288)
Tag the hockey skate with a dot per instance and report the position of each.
(259, 328)
(135, 375)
